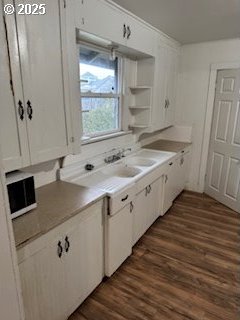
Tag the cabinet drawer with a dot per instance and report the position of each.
(119, 201)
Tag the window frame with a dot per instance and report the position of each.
(117, 95)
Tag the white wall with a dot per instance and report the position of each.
(192, 92)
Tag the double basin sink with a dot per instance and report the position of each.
(122, 173)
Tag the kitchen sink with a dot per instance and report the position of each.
(141, 162)
(121, 171)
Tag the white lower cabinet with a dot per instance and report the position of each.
(147, 208)
(84, 260)
(175, 179)
(43, 286)
(118, 239)
(59, 276)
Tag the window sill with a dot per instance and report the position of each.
(106, 137)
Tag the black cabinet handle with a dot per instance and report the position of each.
(131, 207)
(128, 32)
(67, 244)
(146, 191)
(166, 179)
(124, 199)
(29, 110)
(124, 31)
(60, 249)
(149, 189)
(20, 110)
(165, 104)
(171, 163)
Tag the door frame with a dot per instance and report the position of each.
(215, 67)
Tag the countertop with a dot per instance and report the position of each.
(57, 202)
(167, 145)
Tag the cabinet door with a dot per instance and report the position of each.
(40, 46)
(140, 215)
(90, 12)
(43, 285)
(13, 134)
(118, 239)
(172, 67)
(154, 200)
(160, 87)
(183, 163)
(170, 186)
(142, 38)
(83, 247)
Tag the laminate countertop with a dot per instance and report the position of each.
(167, 145)
(56, 203)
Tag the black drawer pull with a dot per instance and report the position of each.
(29, 110)
(124, 30)
(60, 249)
(124, 199)
(20, 110)
(171, 163)
(67, 244)
(131, 207)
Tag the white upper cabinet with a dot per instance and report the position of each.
(36, 112)
(40, 46)
(13, 134)
(106, 21)
(165, 80)
(100, 19)
(170, 99)
(139, 36)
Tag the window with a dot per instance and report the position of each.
(100, 92)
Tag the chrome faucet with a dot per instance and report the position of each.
(117, 156)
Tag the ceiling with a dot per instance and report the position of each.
(190, 21)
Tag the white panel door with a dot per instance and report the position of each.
(223, 170)
(13, 134)
(40, 47)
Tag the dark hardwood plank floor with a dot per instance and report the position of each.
(185, 267)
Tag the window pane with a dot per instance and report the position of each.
(99, 115)
(98, 73)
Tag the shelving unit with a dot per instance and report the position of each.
(140, 108)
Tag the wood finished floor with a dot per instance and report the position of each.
(185, 267)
